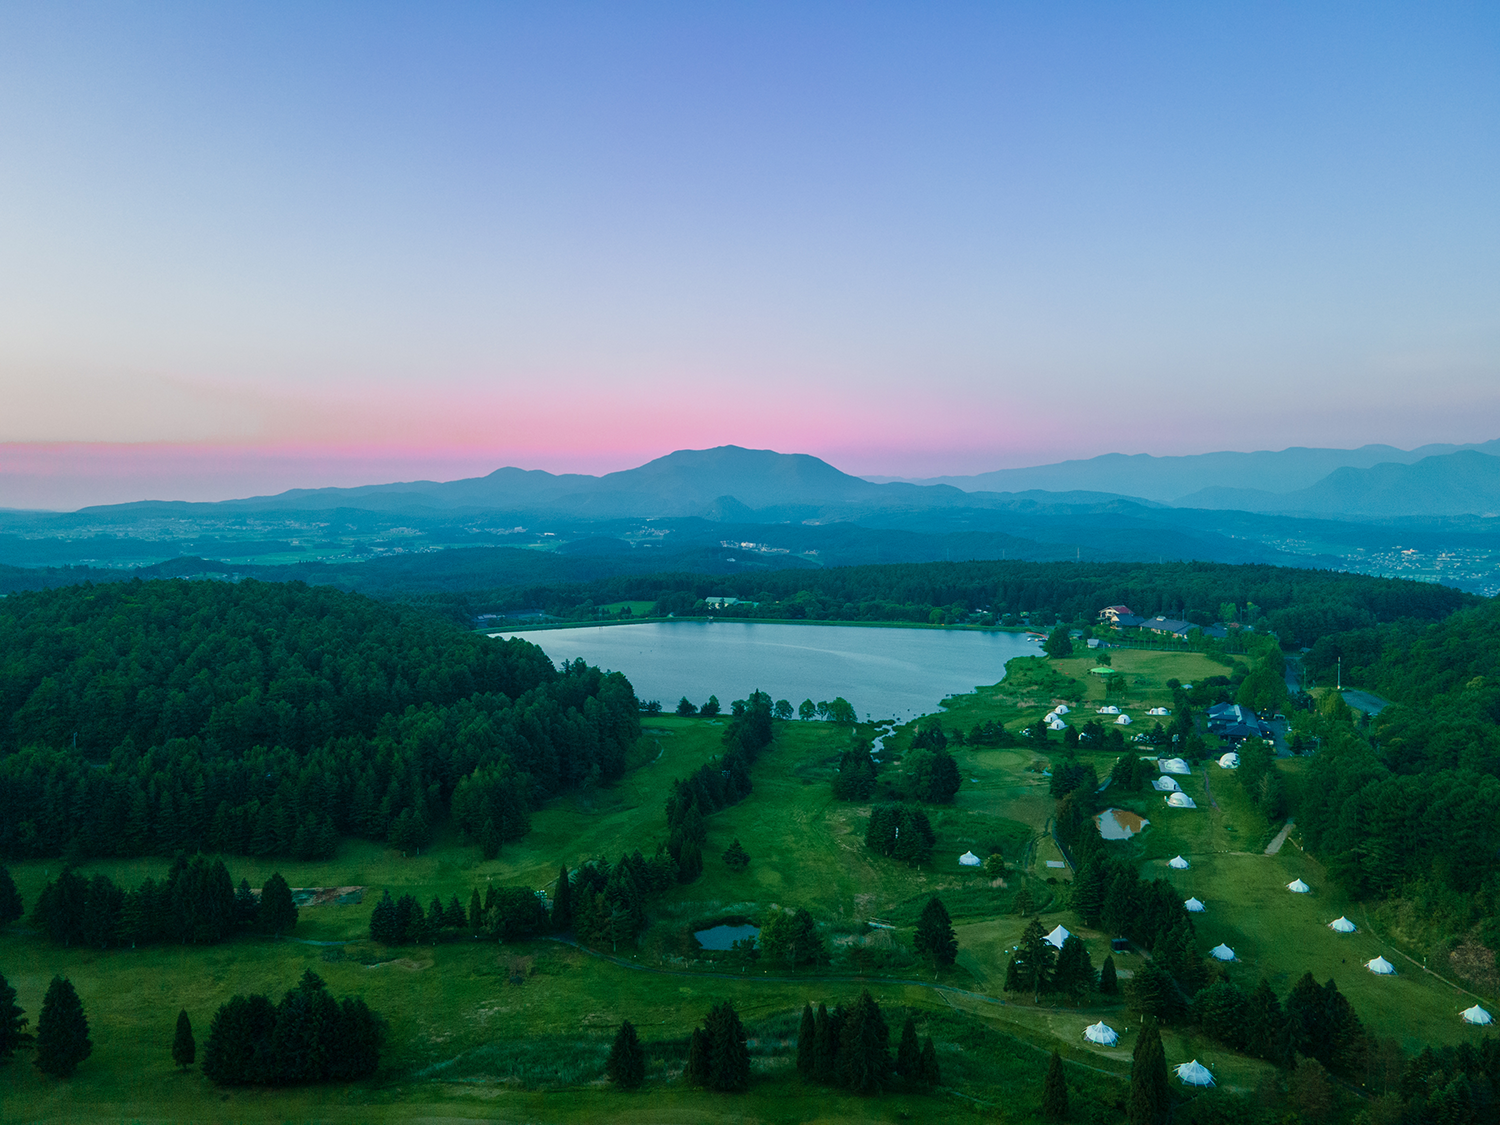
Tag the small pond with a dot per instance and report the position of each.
(724, 937)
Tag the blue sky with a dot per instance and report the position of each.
(908, 238)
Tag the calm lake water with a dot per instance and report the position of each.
(724, 937)
(884, 673)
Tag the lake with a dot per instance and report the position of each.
(885, 673)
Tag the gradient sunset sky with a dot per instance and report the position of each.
(354, 242)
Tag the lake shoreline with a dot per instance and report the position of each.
(541, 627)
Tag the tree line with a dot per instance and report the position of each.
(253, 719)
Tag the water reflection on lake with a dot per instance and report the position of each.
(884, 673)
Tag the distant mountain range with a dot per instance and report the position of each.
(1185, 481)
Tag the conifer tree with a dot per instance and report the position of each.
(12, 1020)
(1150, 1095)
(865, 1062)
(1074, 975)
(728, 1059)
(476, 912)
(935, 938)
(626, 1065)
(62, 1031)
(699, 1065)
(455, 917)
(931, 1076)
(826, 1063)
(184, 1049)
(1013, 974)
(562, 901)
(735, 857)
(383, 924)
(278, 913)
(1266, 1031)
(807, 1043)
(1038, 956)
(1055, 1091)
(909, 1052)
(246, 905)
(11, 907)
(1109, 981)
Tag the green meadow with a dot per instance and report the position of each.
(482, 1031)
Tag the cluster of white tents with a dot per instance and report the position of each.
(1191, 1073)
(1158, 711)
(1109, 709)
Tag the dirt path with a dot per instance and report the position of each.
(1208, 790)
(1275, 845)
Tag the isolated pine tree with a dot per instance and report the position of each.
(278, 913)
(1150, 1096)
(736, 858)
(62, 1031)
(931, 1076)
(12, 1020)
(626, 1065)
(1055, 1091)
(909, 1052)
(729, 1058)
(1109, 982)
(184, 1050)
(562, 902)
(11, 907)
(807, 1043)
(935, 939)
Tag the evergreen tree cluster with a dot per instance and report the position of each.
(195, 904)
(851, 1048)
(11, 906)
(930, 775)
(608, 902)
(900, 832)
(309, 1037)
(262, 719)
(509, 913)
(856, 774)
(1459, 1084)
(790, 937)
(717, 784)
(1038, 967)
(991, 733)
(718, 1058)
(1316, 1021)
(12, 1020)
(1109, 894)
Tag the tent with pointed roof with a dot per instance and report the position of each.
(1222, 952)
(1179, 863)
(1342, 925)
(1058, 936)
(1298, 887)
(1229, 761)
(1102, 1034)
(1381, 967)
(1195, 1074)
(1165, 784)
(968, 859)
(1174, 765)
(1181, 801)
(1476, 1015)
(1193, 906)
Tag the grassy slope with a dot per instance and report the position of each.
(467, 1043)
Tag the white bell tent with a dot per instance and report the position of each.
(968, 859)
(1222, 952)
(1057, 937)
(1193, 906)
(1178, 863)
(1477, 1015)
(1102, 1034)
(1381, 967)
(1342, 925)
(1298, 887)
(1195, 1074)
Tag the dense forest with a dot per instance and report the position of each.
(252, 718)
(1300, 606)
